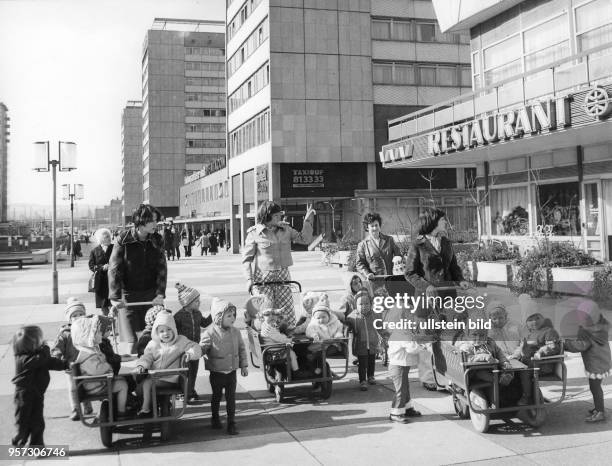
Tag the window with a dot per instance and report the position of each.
(205, 112)
(205, 143)
(558, 206)
(503, 60)
(427, 75)
(381, 29)
(250, 134)
(446, 76)
(404, 74)
(401, 31)
(237, 21)
(254, 84)
(426, 32)
(382, 73)
(593, 25)
(508, 211)
(546, 43)
(249, 46)
(466, 76)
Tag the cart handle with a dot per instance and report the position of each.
(277, 282)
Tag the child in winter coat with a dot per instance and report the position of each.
(189, 320)
(270, 334)
(353, 283)
(592, 343)
(365, 338)
(33, 361)
(165, 351)
(87, 335)
(504, 332)
(225, 351)
(309, 299)
(480, 348)
(541, 340)
(64, 349)
(145, 337)
(323, 326)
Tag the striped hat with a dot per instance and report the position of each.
(186, 294)
(73, 305)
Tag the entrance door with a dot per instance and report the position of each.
(592, 220)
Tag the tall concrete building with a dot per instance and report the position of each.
(311, 85)
(4, 140)
(183, 109)
(131, 159)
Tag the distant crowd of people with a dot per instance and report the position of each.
(208, 241)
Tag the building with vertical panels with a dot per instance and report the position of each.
(311, 85)
(131, 159)
(183, 109)
(537, 130)
(4, 140)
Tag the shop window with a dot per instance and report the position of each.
(558, 208)
(509, 211)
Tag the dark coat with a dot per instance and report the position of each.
(63, 348)
(97, 260)
(137, 265)
(372, 258)
(189, 323)
(425, 266)
(214, 244)
(32, 370)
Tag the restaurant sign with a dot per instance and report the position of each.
(488, 129)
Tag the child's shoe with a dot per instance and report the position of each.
(363, 386)
(215, 423)
(231, 429)
(88, 409)
(74, 416)
(398, 418)
(523, 401)
(143, 414)
(597, 416)
(430, 386)
(411, 412)
(371, 380)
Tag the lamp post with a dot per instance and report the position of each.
(76, 193)
(43, 163)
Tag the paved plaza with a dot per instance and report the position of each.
(352, 427)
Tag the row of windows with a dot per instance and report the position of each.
(204, 97)
(535, 46)
(238, 20)
(205, 143)
(259, 80)
(204, 51)
(414, 30)
(204, 66)
(257, 37)
(191, 81)
(251, 134)
(421, 74)
(209, 193)
(204, 127)
(205, 112)
(200, 159)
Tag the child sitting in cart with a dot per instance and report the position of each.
(87, 335)
(164, 351)
(309, 300)
(323, 326)
(145, 338)
(271, 334)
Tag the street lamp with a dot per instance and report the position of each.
(66, 160)
(77, 193)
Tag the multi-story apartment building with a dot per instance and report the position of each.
(4, 140)
(183, 109)
(131, 158)
(537, 129)
(311, 85)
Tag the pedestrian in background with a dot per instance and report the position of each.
(212, 238)
(98, 264)
(204, 244)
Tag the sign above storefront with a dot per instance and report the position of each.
(322, 179)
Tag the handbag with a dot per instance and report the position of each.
(93, 282)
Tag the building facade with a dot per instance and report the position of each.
(4, 140)
(131, 159)
(183, 110)
(311, 85)
(537, 129)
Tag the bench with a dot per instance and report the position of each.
(17, 260)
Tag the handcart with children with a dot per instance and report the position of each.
(296, 354)
(163, 385)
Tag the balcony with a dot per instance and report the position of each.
(554, 80)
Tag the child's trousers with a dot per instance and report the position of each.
(74, 399)
(29, 419)
(219, 382)
(597, 392)
(366, 365)
(401, 399)
(193, 374)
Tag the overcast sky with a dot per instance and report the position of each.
(67, 69)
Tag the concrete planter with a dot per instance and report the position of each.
(498, 273)
(340, 258)
(573, 280)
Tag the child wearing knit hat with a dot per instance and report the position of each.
(189, 320)
(64, 349)
(145, 337)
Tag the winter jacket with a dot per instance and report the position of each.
(97, 260)
(270, 249)
(224, 348)
(348, 304)
(544, 341)
(426, 266)
(137, 265)
(189, 323)
(86, 337)
(376, 258)
(160, 355)
(508, 338)
(486, 351)
(32, 370)
(333, 329)
(403, 348)
(270, 335)
(365, 336)
(594, 346)
(63, 348)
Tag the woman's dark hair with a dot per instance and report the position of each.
(370, 218)
(429, 220)
(27, 339)
(266, 210)
(146, 213)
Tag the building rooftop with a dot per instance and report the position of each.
(188, 25)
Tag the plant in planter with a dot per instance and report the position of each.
(602, 285)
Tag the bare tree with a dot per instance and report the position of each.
(479, 201)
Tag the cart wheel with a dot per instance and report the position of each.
(479, 421)
(165, 411)
(106, 433)
(326, 387)
(279, 392)
(462, 410)
(533, 417)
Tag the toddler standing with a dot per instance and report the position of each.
(33, 361)
(225, 351)
(365, 338)
(189, 320)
